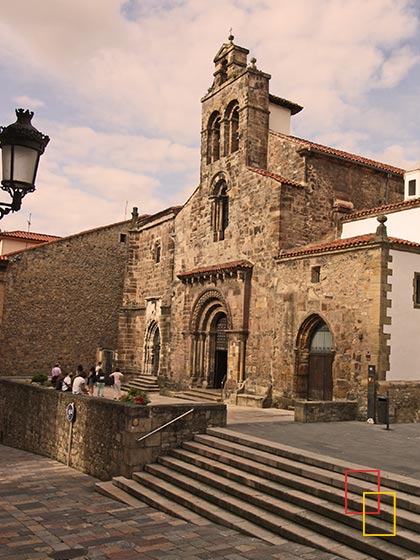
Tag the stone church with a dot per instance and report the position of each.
(249, 286)
(289, 271)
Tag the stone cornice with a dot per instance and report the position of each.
(237, 269)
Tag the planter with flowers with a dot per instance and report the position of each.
(136, 396)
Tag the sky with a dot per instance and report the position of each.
(117, 84)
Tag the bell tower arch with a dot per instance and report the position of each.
(235, 112)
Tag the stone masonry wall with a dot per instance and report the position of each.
(105, 432)
(347, 298)
(62, 301)
(307, 214)
(404, 399)
(252, 234)
(147, 292)
(324, 411)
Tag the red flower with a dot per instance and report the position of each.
(139, 400)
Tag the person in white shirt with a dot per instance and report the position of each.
(117, 376)
(66, 386)
(79, 385)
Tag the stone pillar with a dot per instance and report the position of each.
(242, 352)
(194, 358)
(201, 349)
(301, 373)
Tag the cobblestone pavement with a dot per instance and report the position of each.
(48, 510)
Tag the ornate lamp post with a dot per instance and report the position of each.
(22, 145)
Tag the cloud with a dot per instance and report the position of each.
(26, 101)
(88, 177)
(121, 81)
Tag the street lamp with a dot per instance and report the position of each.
(22, 145)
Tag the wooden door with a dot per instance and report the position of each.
(320, 383)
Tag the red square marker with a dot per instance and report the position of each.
(346, 491)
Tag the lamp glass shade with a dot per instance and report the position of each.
(20, 165)
(6, 157)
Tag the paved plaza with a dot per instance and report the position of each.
(48, 510)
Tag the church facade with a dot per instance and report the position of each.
(249, 286)
(292, 268)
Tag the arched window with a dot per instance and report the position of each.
(232, 128)
(157, 251)
(213, 138)
(220, 210)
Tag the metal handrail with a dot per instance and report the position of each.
(167, 424)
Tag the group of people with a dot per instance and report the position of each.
(79, 382)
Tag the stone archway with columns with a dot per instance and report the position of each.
(209, 313)
(218, 302)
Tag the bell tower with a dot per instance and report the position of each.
(235, 113)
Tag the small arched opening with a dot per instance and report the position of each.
(213, 137)
(220, 210)
(152, 349)
(232, 128)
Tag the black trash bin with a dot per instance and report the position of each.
(382, 410)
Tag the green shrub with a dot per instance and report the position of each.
(40, 378)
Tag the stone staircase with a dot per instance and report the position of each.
(200, 395)
(275, 492)
(144, 382)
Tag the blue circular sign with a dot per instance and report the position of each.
(70, 410)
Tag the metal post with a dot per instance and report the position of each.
(387, 410)
(371, 404)
(69, 444)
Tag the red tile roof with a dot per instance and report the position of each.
(411, 203)
(326, 247)
(340, 153)
(405, 242)
(357, 241)
(225, 267)
(274, 176)
(29, 236)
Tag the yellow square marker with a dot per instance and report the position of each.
(394, 494)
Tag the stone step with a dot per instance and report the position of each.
(275, 491)
(401, 484)
(265, 478)
(186, 397)
(273, 496)
(111, 490)
(145, 495)
(148, 386)
(222, 509)
(286, 521)
(147, 383)
(326, 475)
(208, 395)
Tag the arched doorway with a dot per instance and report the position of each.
(314, 360)
(210, 324)
(152, 349)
